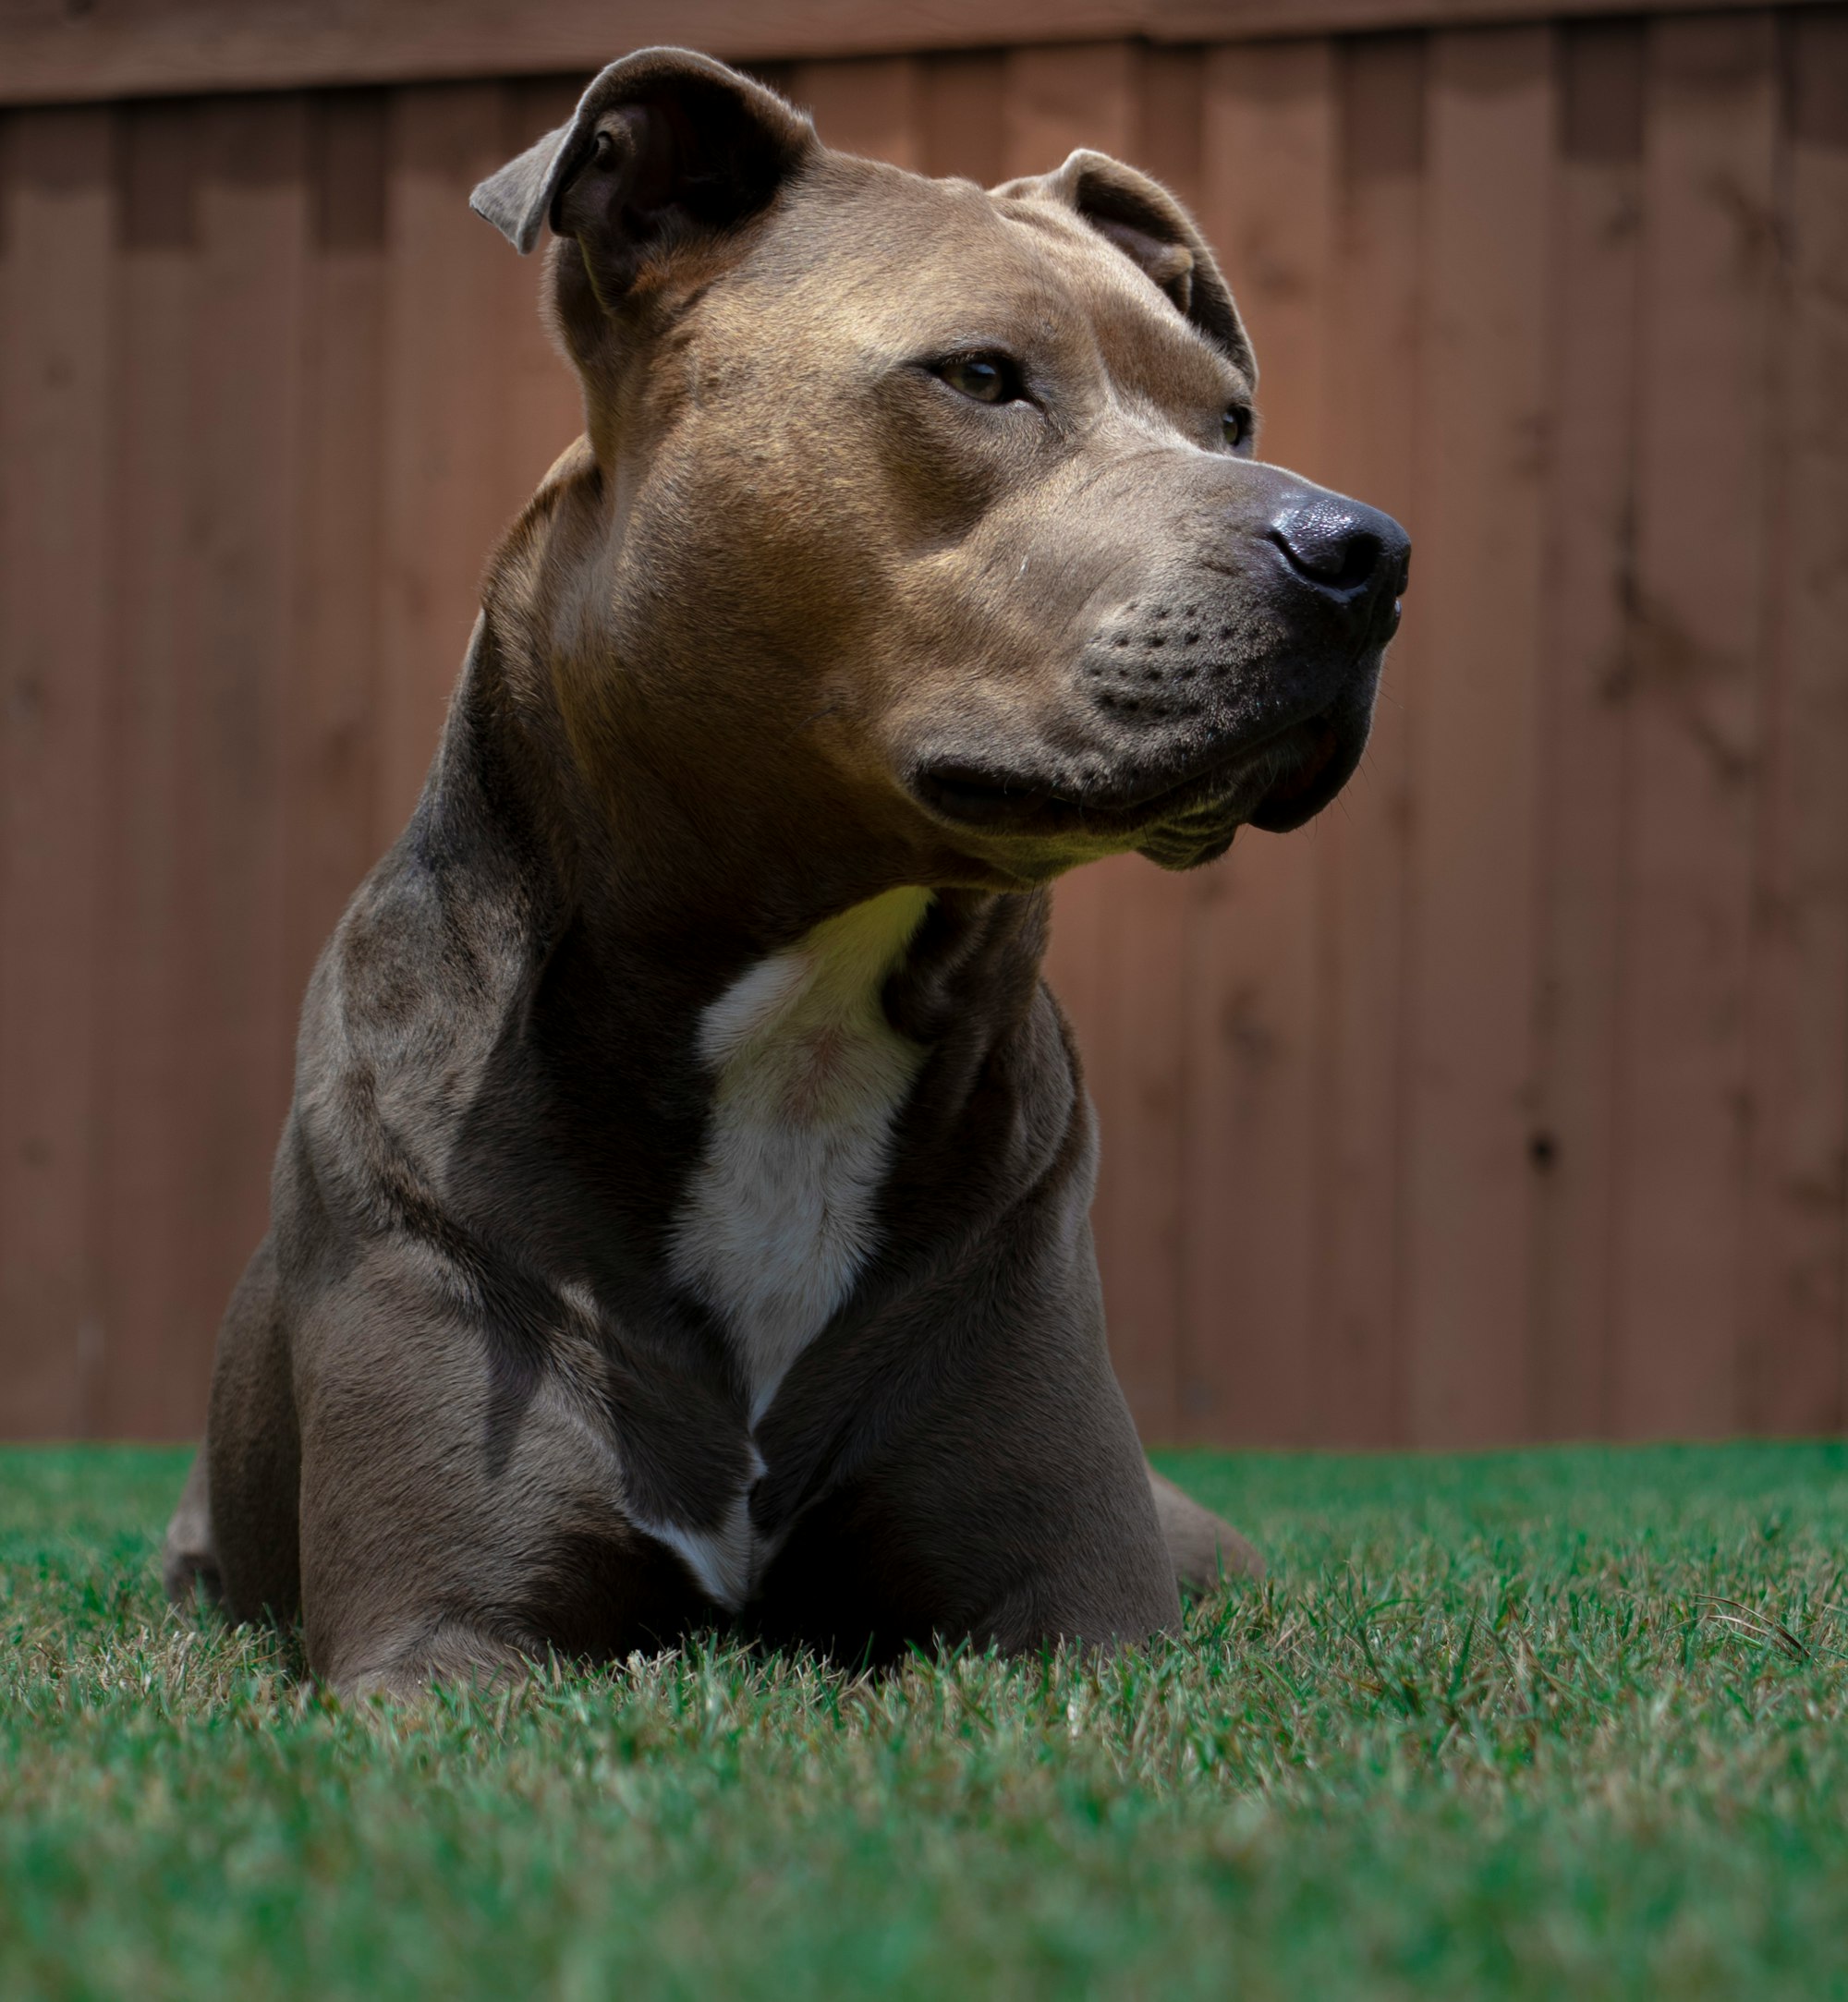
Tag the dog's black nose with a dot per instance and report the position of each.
(1343, 546)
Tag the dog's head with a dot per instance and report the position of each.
(933, 504)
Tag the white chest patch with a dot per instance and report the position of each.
(809, 1079)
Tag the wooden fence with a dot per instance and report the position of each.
(1509, 1100)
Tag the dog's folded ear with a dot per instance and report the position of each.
(663, 146)
(1146, 223)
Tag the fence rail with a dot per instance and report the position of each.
(1509, 1100)
(54, 51)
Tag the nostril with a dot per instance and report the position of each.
(1331, 545)
(1358, 561)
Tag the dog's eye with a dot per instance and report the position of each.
(982, 377)
(1236, 425)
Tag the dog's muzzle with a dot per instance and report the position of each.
(1236, 690)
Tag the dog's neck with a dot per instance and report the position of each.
(641, 962)
(669, 891)
(762, 1109)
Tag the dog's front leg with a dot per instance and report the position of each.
(412, 1666)
(459, 1521)
(1204, 1547)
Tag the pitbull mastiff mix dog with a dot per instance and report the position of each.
(682, 1216)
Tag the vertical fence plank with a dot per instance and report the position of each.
(1252, 1003)
(867, 106)
(1591, 504)
(1479, 602)
(142, 1211)
(1371, 448)
(1795, 1354)
(962, 113)
(446, 285)
(252, 205)
(1696, 723)
(54, 586)
(1059, 98)
(1173, 97)
(330, 745)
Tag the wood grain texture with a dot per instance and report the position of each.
(330, 832)
(54, 443)
(1697, 699)
(1586, 780)
(149, 1298)
(51, 50)
(243, 515)
(1059, 98)
(1170, 144)
(451, 286)
(961, 113)
(1372, 446)
(1791, 1377)
(1254, 1001)
(1478, 600)
(1579, 928)
(870, 106)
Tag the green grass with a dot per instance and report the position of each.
(1571, 1723)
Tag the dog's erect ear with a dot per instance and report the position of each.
(663, 146)
(1156, 234)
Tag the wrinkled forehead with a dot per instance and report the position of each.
(870, 261)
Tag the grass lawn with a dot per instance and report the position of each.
(1550, 1723)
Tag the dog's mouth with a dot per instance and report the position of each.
(1315, 767)
(1276, 784)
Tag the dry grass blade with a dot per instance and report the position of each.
(1747, 1620)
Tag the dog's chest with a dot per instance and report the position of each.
(808, 1080)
